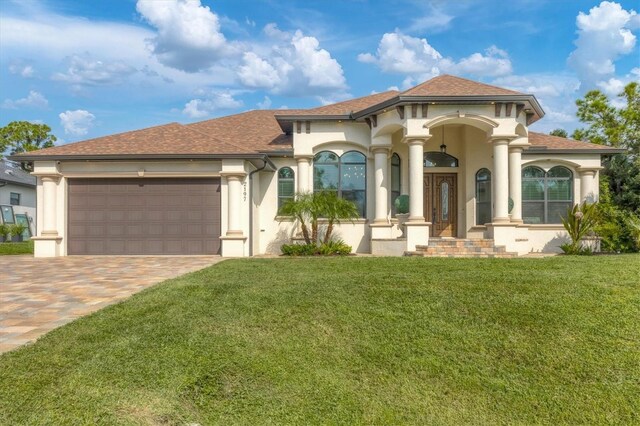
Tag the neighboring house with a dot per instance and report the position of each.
(17, 196)
(460, 149)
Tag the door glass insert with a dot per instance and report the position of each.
(444, 191)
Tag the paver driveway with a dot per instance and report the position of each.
(38, 295)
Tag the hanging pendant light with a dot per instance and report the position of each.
(443, 147)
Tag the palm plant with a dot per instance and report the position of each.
(580, 221)
(335, 210)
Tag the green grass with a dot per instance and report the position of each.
(348, 341)
(16, 248)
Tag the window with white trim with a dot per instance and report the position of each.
(546, 196)
(346, 174)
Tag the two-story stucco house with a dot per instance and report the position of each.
(460, 149)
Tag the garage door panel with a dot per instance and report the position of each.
(144, 216)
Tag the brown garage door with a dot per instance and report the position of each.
(144, 216)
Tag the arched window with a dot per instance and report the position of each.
(483, 197)
(439, 159)
(546, 197)
(396, 181)
(286, 186)
(347, 175)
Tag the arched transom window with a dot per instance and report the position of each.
(439, 159)
(286, 186)
(347, 175)
(546, 197)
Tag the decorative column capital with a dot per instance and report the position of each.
(380, 149)
(233, 176)
(416, 139)
(589, 171)
(501, 139)
(516, 149)
(303, 157)
(48, 177)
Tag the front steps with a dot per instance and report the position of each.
(461, 247)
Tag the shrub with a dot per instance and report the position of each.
(5, 231)
(618, 228)
(331, 248)
(17, 230)
(402, 204)
(335, 248)
(580, 222)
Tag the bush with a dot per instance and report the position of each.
(570, 248)
(5, 231)
(332, 248)
(619, 228)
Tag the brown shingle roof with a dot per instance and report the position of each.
(172, 138)
(345, 107)
(542, 140)
(256, 130)
(449, 85)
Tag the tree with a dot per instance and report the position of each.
(559, 132)
(22, 136)
(335, 209)
(608, 125)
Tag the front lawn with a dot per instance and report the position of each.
(349, 341)
(25, 247)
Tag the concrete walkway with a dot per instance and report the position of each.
(38, 295)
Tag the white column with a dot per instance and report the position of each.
(501, 179)
(416, 176)
(515, 182)
(382, 183)
(234, 193)
(587, 186)
(303, 174)
(49, 188)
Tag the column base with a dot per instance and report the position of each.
(381, 231)
(504, 234)
(501, 220)
(47, 245)
(417, 234)
(233, 245)
(416, 219)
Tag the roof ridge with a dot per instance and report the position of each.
(463, 79)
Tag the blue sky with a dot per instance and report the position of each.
(91, 68)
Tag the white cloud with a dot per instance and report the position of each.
(604, 34)
(33, 100)
(83, 70)
(556, 93)
(22, 69)
(265, 104)
(76, 123)
(294, 65)
(432, 20)
(188, 37)
(403, 54)
(214, 101)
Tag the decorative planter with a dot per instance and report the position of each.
(402, 219)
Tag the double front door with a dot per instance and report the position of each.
(440, 191)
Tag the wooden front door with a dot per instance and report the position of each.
(440, 208)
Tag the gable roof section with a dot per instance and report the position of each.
(256, 130)
(344, 108)
(13, 174)
(541, 142)
(449, 85)
(168, 139)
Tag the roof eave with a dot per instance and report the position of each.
(469, 99)
(530, 151)
(144, 157)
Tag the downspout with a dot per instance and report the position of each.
(264, 166)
